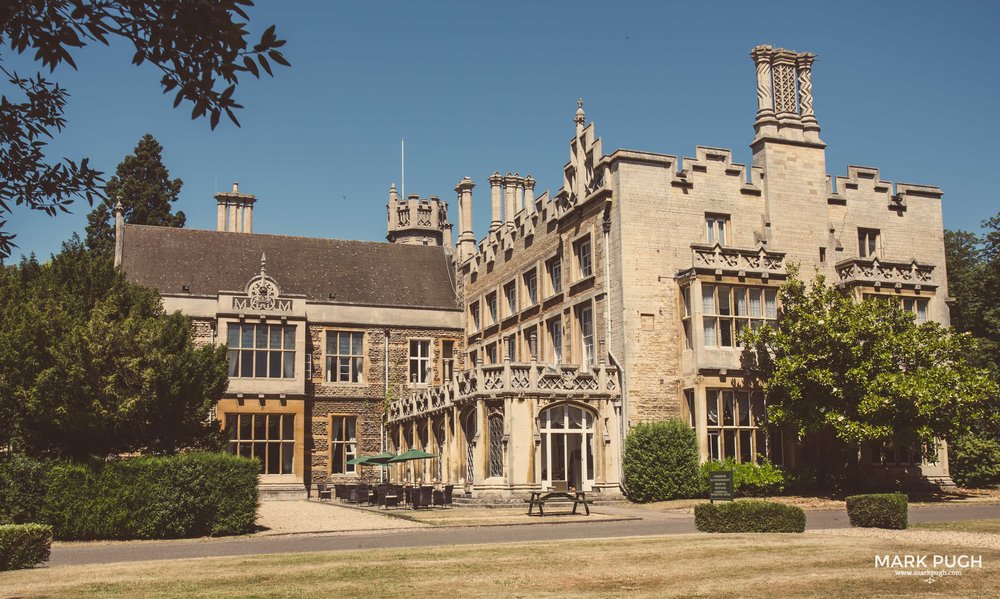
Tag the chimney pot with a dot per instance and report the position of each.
(236, 187)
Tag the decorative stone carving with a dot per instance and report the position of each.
(765, 99)
(875, 272)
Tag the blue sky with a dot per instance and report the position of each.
(908, 87)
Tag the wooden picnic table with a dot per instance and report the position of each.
(539, 499)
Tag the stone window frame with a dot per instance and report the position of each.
(240, 351)
(285, 444)
(869, 243)
(428, 361)
(918, 304)
(530, 289)
(349, 469)
(690, 407)
(475, 315)
(580, 348)
(442, 361)
(555, 347)
(510, 297)
(718, 226)
(526, 345)
(687, 316)
(365, 363)
(725, 314)
(554, 282)
(491, 299)
(509, 345)
(754, 428)
(490, 353)
(583, 261)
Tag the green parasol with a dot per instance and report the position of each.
(411, 454)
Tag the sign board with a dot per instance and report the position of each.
(720, 485)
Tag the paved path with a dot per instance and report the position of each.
(653, 523)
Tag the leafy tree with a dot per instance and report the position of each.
(200, 47)
(144, 187)
(839, 372)
(91, 365)
(973, 265)
(661, 461)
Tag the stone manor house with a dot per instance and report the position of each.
(521, 357)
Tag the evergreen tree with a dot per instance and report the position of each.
(91, 365)
(143, 185)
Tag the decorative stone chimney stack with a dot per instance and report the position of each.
(496, 217)
(417, 221)
(466, 238)
(784, 95)
(509, 199)
(529, 194)
(235, 211)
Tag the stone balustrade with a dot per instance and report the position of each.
(879, 273)
(719, 259)
(510, 379)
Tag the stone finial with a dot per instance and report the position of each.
(465, 183)
(393, 194)
(263, 263)
(580, 117)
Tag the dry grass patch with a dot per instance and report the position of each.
(718, 566)
(980, 526)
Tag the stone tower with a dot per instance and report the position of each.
(417, 221)
(787, 147)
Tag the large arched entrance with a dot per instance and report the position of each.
(567, 447)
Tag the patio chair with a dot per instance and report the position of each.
(448, 491)
(359, 494)
(423, 497)
(387, 496)
(322, 490)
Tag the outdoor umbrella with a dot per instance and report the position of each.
(358, 460)
(411, 454)
(380, 459)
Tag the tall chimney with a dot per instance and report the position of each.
(235, 211)
(518, 193)
(509, 197)
(529, 194)
(495, 203)
(466, 238)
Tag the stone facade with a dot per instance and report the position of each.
(615, 300)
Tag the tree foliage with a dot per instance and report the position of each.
(201, 49)
(91, 365)
(854, 371)
(143, 186)
(973, 264)
(661, 462)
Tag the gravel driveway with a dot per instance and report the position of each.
(283, 517)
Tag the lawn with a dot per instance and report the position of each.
(697, 565)
(987, 526)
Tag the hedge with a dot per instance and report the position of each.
(880, 510)
(661, 462)
(24, 545)
(188, 495)
(974, 462)
(749, 479)
(749, 515)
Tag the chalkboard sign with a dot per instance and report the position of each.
(720, 485)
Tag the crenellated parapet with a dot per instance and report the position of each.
(865, 181)
(875, 272)
(416, 220)
(510, 380)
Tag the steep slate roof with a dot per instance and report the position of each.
(356, 272)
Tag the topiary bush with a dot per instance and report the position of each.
(879, 510)
(661, 462)
(187, 495)
(974, 462)
(24, 545)
(749, 479)
(749, 515)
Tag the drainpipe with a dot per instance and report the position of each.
(607, 343)
(385, 413)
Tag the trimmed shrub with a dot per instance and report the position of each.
(24, 545)
(22, 488)
(749, 515)
(879, 510)
(661, 462)
(749, 480)
(974, 462)
(187, 495)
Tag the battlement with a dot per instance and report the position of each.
(416, 220)
(865, 181)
